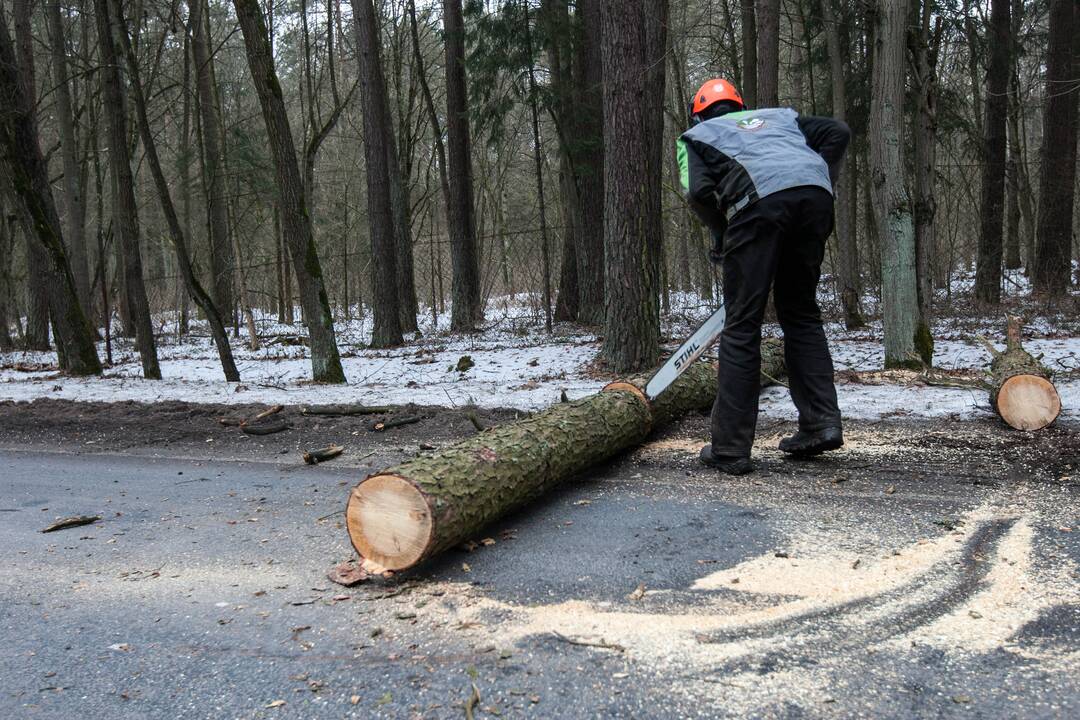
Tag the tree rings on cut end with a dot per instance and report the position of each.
(1028, 402)
(627, 387)
(389, 521)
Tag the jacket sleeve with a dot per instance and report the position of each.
(699, 184)
(828, 138)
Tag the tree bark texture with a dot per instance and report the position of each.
(7, 247)
(377, 133)
(221, 254)
(1020, 389)
(292, 201)
(467, 311)
(768, 53)
(631, 192)
(589, 167)
(1057, 176)
(23, 163)
(992, 207)
(74, 208)
(892, 206)
(405, 514)
(125, 209)
(176, 230)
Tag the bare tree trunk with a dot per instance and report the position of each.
(25, 168)
(539, 166)
(632, 40)
(467, 311)
(377, 133)
(846, 241)
(589, 168)
(924, 49)
(296, 218)
(74, 215)
(749, 87)
(992, 206)
(1053, 250)
(176, 232)
(7, 250)
(768, 53)
(125, 210)
(221, 255)
(892, 206)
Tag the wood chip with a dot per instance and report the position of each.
(347, 573)
(637, 594)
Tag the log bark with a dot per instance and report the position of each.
(405, 514)
(1021, 392)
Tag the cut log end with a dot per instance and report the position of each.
(389, 521)
(1028, 402)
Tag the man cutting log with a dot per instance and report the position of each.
(762, 180)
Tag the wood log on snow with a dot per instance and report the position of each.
(405, 514)
(1021, 392)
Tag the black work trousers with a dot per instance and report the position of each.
(779, 243)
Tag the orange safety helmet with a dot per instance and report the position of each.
(712, 92)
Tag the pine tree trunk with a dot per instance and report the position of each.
(467, 311)
(892, 206)
(7, 250)
(632, 138)
(992, 207)
(589, 168)
(221, 255)
(387, 320)
(1057, 175)
(406, 514)
(408, 308)
(1020, 389)
(176, 232)
(28, 175)
(292, 201)
(768, 53)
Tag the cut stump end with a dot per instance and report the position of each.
(389, 521)
(1028, 402)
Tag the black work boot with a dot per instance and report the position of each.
(808, 444)
(726, 464)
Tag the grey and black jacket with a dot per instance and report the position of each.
(730, 162)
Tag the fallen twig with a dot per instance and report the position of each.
(314, 457)
(70, 522)
(344, 410)
(387, 424)
(588, 643)
(473, 701)
(269, 411)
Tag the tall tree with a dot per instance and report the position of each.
(633, 60)
(125, 209)
(7, 250)
(74, 203)
(1057, 176)
(992, 209)
(467, 310)
(892, 206)
(749, 87)
(924, 42)
(768, 53)
(377, 133)
(24, 165)
(846, 241)
(213, 157)
(292, 201)
(176, 231)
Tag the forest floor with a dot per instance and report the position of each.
(928, 569)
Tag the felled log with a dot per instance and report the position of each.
(405, 514)
(1021, 392)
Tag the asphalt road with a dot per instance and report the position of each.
(925, 571)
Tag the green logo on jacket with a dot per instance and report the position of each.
(750, 124)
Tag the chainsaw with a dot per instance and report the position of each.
(687, 353)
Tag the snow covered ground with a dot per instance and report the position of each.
(516, 365)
